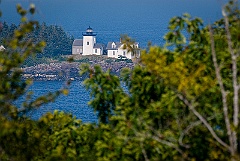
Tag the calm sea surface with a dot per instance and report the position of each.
(143, 20)
(76, 102)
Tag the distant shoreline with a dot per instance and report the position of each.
(63, 70)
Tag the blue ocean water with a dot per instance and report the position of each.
(144, 20)
(76, 102)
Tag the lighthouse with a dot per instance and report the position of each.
(87, 45)
(89, 40)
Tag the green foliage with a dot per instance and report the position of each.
(130, 45)
(17, 51)
(20, 137)
(10, 60)
(174, 107)
(58, 42)
(66, 138)
(105, 89)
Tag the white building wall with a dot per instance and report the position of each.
(88, 43)
(129, 55)
(94, 40)
(113, 53)
(116, 53)
(77, 50)
(124, 52)
(74, 50)
(138, 53)
(97, 51)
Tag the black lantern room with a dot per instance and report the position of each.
(89, 32)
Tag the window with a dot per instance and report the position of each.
(124, 53)
(77, 50)
(87, 43)
(95, 50)
(113, 52)
(113, 45)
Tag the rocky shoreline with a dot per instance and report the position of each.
(70, 70)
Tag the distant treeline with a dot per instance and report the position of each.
(58, 42)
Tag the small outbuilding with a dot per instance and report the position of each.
(77, 47)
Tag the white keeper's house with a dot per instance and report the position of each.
(88, 46)
(116, 49)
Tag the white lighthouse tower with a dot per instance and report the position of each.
(89, 40)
